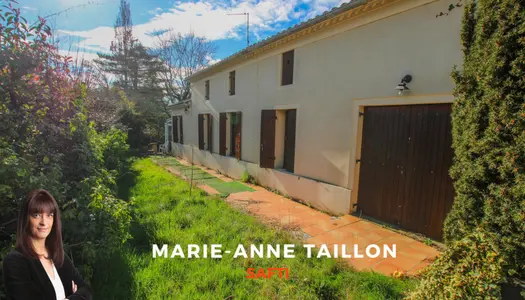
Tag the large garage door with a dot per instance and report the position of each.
(405, 157)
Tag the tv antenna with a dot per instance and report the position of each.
(247, 25)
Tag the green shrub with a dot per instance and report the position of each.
(47, 142)
(245, 177)
(485, 228)
(248, 178)
(470, 268)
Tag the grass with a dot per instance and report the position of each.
(164, 214)
(201, 177)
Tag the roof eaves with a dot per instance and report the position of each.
(180, 103)
(297, 27)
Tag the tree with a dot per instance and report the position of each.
(43, 133)
(136, 71)
(183, 55)
(124, 41)
(485, 228)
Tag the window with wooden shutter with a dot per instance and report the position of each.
(236, 134)
(222, 134)
(201, 131)
(181, 140)
(232, 83)
(207, 90)
(267, 153)
(289, 140)
(287, 68)
(175, 129)
(210, 133)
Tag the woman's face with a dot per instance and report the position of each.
(41, 224)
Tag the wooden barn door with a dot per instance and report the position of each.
(405, 157)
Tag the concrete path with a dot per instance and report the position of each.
(319, 228)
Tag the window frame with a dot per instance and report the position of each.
(207, 90)
(287, 73)
(231, 83)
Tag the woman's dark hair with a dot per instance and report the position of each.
(40, 201)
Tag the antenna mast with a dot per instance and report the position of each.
(247, 25)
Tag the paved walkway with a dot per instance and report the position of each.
(320, 228)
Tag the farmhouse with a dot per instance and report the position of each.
(349, 112)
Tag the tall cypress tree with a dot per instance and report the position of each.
(485, 230)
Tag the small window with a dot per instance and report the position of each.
(207, 90)
(205, 132)
(232, 83)
(176, 127)
(287, 68)
(230, 125)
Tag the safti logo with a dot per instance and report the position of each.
(267, 273)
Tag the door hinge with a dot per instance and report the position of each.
(361, 114)
(357, 161)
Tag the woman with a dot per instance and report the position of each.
(38, 268)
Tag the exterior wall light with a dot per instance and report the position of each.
(402, 86)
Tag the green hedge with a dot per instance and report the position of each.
(485, 230)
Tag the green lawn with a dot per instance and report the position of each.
(164, 214)
(201, 177)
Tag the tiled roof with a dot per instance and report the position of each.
(320, 18)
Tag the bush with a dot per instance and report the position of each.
(47, 142)
(469, 268)
(247, 178)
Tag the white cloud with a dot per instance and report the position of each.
(320, 6)
(70, 3)
(26, 7)
(155, 11)
(204, 18)
(211, 20)
(98, 39)
(79, 55)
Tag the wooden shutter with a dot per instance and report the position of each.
(287, 68)
(267, 154)
(289, 140)
(238, 135)
(174, 128)
(181, 131)
(207, 90)
(232, 83)
(222, 134)
(201, 131)
(210, 133)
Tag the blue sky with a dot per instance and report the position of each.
(86, 26)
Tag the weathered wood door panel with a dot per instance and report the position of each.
(405, 157)
(222, 134)
(210, 133)
(289, 140)
(175, 128)
(267, 153)
(201, 131)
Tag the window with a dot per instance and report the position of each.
(205, 132)
(207, 90)
(176, 126)
(232, 83)
(287, 68)
(230, 134)
(278, 139)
